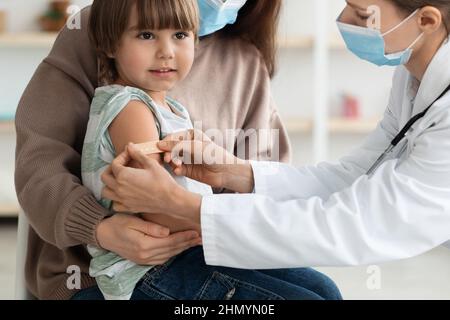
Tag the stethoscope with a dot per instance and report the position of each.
(403, 133)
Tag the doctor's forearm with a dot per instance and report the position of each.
(186, 205)
(239, 177)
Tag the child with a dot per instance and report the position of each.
(140, 66)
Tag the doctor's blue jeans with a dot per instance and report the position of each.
(187, 277)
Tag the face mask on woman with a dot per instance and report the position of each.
(216, 14)
(369, 44)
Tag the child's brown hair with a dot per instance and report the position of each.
(109, 20)
(411, 5)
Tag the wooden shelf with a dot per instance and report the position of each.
(335, 125)
(350, 126)
(299, 42)
(9, 210)
(298, 125)
(307, 42)
(27, 40)
(7, 126)
(337, 43)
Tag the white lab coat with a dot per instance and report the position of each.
(336, 215)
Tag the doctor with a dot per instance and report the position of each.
(388, 199)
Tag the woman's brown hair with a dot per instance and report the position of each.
(410, 6)
(258, 23)
(109, 20)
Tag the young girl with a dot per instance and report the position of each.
(387, 200)
(145, 47)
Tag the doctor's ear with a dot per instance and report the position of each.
(431, 19)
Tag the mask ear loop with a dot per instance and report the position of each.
(401, 23)
(415, 41)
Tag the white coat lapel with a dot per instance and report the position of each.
(435, 80)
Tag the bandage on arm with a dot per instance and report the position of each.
(149, 148)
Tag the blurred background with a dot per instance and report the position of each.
(328, 99)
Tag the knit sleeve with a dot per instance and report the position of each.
(262, 116)
(51, 121)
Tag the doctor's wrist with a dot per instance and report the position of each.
(239, 177)
(187, 205)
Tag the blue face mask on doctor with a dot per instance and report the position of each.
(216, 14)
(369, 44)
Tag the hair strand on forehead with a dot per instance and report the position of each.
(164, 14)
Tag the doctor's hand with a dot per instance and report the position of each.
(142, 242)
(148, 189)
(194, 155)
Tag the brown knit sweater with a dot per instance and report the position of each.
(228, 88)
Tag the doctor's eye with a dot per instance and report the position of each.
(181, 35)
(146, 36)
(362, 17)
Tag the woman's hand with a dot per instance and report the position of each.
(194, 155)
(150, 189)
(142, 242)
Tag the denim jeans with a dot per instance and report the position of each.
(187, 277)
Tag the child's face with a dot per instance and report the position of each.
(154, 60)
(357, 13)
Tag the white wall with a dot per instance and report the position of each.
(293, 84)
(17, 66)
(7, 148)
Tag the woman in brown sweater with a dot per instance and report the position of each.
(228, 88)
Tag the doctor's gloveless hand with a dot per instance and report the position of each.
(149, 189)
(192, 154)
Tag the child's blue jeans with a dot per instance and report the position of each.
(187, 277)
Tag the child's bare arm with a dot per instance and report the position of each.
(136, 123)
